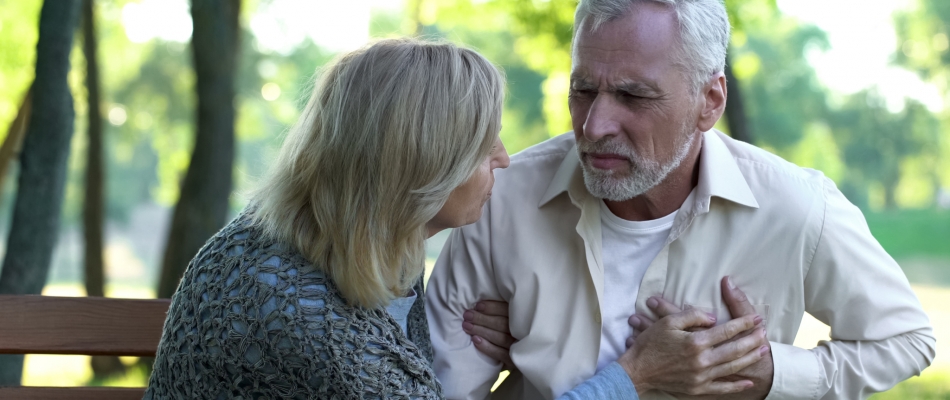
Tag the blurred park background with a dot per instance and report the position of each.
(855, 88)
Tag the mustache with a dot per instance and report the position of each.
(607, 146)
(616, 147)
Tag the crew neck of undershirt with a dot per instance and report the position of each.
(650, 226)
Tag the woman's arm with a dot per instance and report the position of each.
(611, 383)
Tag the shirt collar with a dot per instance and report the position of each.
(719, 176)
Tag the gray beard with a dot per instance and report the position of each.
(642, 176)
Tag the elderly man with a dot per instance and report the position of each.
(644, 209)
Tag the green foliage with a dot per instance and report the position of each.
(782, 93)
(923, 46)
(876, 143)
(18, 30)
(531, 40)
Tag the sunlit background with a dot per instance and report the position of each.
(855, 88)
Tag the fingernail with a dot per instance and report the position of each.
(477, 339)
(764, 350)
(634, 322)
(468, 315)
(757, 320)
(652, 303)
(467, 326)
(480, 306)
(712, 318)
(729, 282)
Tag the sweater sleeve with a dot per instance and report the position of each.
(611, 383)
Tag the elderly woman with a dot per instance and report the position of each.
(315, 290)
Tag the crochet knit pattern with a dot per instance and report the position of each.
(252, 319)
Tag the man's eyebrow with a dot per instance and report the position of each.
(637, 87)
(581, 81)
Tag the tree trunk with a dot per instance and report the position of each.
(43, 162)
(203, 206)
(93, 218)
(735, 109)
(13, 143)
(890, 193)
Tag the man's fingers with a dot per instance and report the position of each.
(492, 307)
(737, 365)
(736, 349)
(722, 387)
(639, 323)
(735, 299)
(689, 319)
(724, 332)
(500, 339)
(495, 323)
(662, 307)
(496, 353)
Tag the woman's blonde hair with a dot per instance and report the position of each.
(389, 131)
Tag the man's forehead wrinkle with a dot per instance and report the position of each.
(635, 86)
(581, 77)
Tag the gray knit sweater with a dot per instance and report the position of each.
(252, 319)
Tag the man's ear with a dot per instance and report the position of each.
(713, 99)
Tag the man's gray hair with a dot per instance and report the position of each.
(703, 26)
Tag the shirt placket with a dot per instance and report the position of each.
(656, 276)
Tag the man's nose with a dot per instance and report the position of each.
(602, 119)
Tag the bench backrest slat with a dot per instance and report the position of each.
(78, 393)
(80, 325)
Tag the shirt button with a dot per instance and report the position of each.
(597, 317)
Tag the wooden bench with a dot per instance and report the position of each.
(79, 325)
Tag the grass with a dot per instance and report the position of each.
(933, 384)
(912, 233)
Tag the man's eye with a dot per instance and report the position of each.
(631, 97)
(583, 93)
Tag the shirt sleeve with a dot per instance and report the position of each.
(880, 334)
(462, 276)
(611, 383)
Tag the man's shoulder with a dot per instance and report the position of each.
(536, 165)
(553, 149)
(770, 175)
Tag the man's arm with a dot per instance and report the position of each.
(880, 334)
(462, 276)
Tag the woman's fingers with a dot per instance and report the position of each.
(492, 307)
(500, 339)
(492, 322)
(496, 353)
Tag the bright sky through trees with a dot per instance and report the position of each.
(860, 31)
(862, 44)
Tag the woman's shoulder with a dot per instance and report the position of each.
(257, 305)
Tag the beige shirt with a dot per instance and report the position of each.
(785, 235)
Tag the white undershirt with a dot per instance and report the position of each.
(628, 249)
